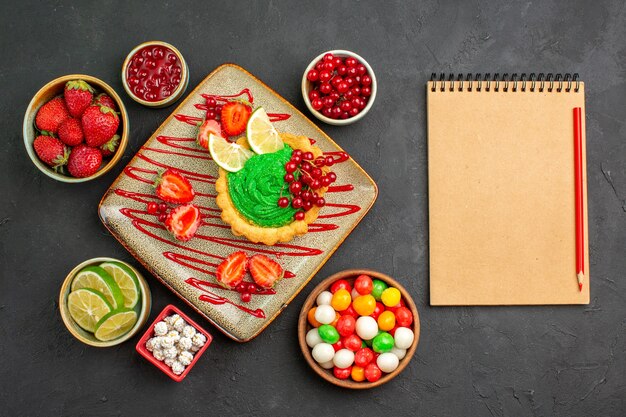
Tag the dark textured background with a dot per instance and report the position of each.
(515, 361)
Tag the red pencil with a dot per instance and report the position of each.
(578, 195)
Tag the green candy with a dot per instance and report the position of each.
(378, 287)
(328, 333)
(369, 342)
(383, 343)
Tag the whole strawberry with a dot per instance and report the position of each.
(78, 96)
(104, 100)
(99, 125)
(51, 151)
(71, 132)
(51, 115)
(84, 161)
(110, 147)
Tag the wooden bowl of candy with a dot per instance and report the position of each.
(358, 329)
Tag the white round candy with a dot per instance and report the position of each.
(160, 329)
(325, 314)
(343, 358)
(189, 331)
(387, 362)
(185, 358)
(313, 338)
(327, 365)
(366, 327)
(400, 353)
(184, 344)
(150, 344)
(323, 352)
(178, 368)
(403, 337)
(198, 340)
(324, 298)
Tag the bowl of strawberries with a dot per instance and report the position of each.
(75, 128)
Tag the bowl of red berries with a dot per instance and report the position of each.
(358, 329)
(339, 87)
(75, 128)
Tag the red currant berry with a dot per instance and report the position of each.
(328, 101)
(289, 177)
(162, 207)
(283, 202)
(246, 297)
(356, 90)
(351, 62)
(366, 91)
(356, 102)
(316, 172)
(330, 161)
(319, 162)
(211, 103)
(296, 159)
(241, 287)
(313, 94)
(354, 111)
(336, 81)
(307, 205)
(329, 65)
(162, 217)
(332, 176)
(350, 81)
(251, 288)
(342, 87)
(306, 195)
(328, 112)
(325, 181)
(211, 114)
(366, 80)
(325, 76)
(218, 109)
(319, 66)
(320, 202)
(353, 71)
(297, 202)
(316, 184)
(360, 69)
(345, 106)
(328, 57)
(153, 208)
(334, 95)
(290, 167)
(295, 187)
(338, 61)
(317, 103)
(296, 152)
(336, 112)
(307, 156)
(348, 95)
(299, 215)
(325, 88)
(342, 70)
(312, 75)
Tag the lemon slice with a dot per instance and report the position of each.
(228, 155)
(261, 135)
(87, 307)
(115, 324)
(126, 280)
(98, 279)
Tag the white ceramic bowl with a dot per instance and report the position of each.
(307, 85)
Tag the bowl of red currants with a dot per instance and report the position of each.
(339, 87)
(358, 329)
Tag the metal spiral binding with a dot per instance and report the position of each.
(531, 82)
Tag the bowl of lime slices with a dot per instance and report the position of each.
(104, 302)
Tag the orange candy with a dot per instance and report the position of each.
(358, 374)
(337, 316)
(341, 300)
(311, 317)
(364, 305)
(386, 321)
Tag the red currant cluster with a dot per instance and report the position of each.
(341, 86)
(305, 176)
(213, 109)
(245, 290)
(158, 208)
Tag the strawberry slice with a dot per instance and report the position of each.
(234, 117)
(183, 221)
(232, 270)
(172, 187)
(205, 129)
(265, 271)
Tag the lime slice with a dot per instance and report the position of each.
(262, 136)
(228, 155)
(87, 307)
(98, 279)
(126, 280)
(115, 324)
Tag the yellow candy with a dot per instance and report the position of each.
(364, 305)
(391, 297)
(341, 300)
(358, 374)
(386, 321)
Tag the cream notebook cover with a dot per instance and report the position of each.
(501, 190)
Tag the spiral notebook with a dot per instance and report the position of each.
(502, 190)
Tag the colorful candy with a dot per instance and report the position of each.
(360, 329)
